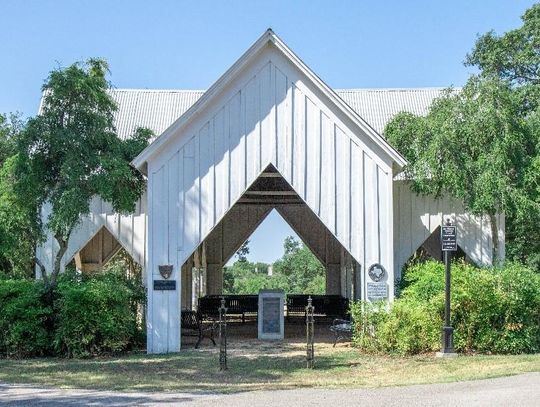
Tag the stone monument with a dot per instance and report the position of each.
(270, 317)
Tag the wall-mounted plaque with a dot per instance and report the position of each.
(270, 321)
(376, 272)
(164, 285)
(165, 270)
(377, 291)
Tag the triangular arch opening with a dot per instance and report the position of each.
(101, 249)
(202, 273)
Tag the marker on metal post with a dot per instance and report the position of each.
(449, 245)
(222, 335)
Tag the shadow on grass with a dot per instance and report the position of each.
(187, 371)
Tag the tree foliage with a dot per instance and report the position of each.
(298, 271)
(303, 271)
(481, 144)
(494, 310)
(243, 252)
(18, 226)
(71, 153)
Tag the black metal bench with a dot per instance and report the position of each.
(342, 329)
(237, 305)
(193, 325)
(331, 306)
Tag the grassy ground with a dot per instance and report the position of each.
(254, 365)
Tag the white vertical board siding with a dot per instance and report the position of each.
(274, 118)
(313, 156)
(237, 176)
(221, 164)
(327, 197)
(420, 215)
(284, 114)
(252, 129)
(127, 229)
(267, 112)
(299, 142)
(192, 205)
(270, 117)
(206, 171)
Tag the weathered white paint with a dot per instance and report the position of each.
(418, 216)
(129, 230)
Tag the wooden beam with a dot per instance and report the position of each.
(270, 175)
(272, 193)
(273, 202)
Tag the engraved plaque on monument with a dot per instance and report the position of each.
(270, 317)
(377, 291)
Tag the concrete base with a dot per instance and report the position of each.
(446, 355)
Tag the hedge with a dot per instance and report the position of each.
(83, 316)
(24, 319)
(494, 310)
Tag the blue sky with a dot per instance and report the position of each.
(189, 44)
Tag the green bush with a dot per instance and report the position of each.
(96, 315)
(24, 320)
(82, 316)
(494, 310)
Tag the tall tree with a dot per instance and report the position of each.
(481, 144)
(71, 153)
(10, 127)
(303, 271)
(18, 229)
(513, 56)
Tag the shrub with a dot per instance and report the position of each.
(495, 310)
(24, 319)
(95, 315)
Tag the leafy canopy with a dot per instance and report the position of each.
(481, 144)
(298, 271)
(71, 153)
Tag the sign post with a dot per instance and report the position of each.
(310, 331)
(449, 245)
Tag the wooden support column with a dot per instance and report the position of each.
(214, 278)
(333, 265)
(214, 259)
(187, 284)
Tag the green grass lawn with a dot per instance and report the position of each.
(255, 367)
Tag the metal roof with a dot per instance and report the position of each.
(157, 109)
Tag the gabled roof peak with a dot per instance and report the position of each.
(267, 37)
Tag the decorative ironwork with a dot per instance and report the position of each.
(222, 335)
(310, 327)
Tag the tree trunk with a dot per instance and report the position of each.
(58, 259)
(44, 274)
(494, 239)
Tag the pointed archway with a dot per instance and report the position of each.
(268, 192)
(269, 108)
(98, 251)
